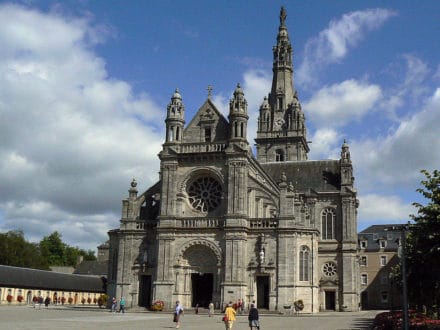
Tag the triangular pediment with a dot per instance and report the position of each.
(208, 119)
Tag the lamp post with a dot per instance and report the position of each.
(405, 326)
(402, 247)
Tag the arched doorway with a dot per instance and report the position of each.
(199, 273)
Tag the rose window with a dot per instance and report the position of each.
(329, 269)
(205, 194)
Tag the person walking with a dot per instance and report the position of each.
(122, 305)
(229, 317)
(211, 309)
(254, 323)
(178, 311)
(114, 303)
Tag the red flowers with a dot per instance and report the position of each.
(394, 320)
(9, 298)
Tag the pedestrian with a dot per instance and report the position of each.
(178, 311)
(211, 309)
(254, 323)
(114, 303)
(47, 302)
(40, 301)
(229, 317)
(196, 309)
(122, 305)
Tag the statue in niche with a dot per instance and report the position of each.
(261, 256)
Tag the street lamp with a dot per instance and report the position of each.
(405, 228)
(402, 247)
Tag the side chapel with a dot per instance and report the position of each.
(221, 224)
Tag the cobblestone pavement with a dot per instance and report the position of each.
(61, 318)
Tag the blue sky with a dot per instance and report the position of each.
(84, 87)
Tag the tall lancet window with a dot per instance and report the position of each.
(328, 224)
(304, 262)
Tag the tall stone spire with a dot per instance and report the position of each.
(281, 134)
(282, 91)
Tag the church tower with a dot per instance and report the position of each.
(281, 134)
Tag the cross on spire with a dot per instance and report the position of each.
(209, 91)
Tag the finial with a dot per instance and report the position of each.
(283, 16)
(133, 183)
(209, 91)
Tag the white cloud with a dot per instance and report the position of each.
(323, 142)
(410, 87)
(338, 104)
(397, 158)
(67, 128)
(333, 43)
(375, 208)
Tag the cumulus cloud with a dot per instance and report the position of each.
(66, 128)
(323, 142)
(396, 159)
(333, 43)
(340, 103)
(376, 209)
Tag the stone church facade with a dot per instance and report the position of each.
(222, 224)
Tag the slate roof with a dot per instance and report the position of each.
(27, 278)
(322, 175)
(92, 267)
(391, 233)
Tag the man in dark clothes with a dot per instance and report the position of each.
(254, 323)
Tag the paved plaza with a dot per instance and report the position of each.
(25, 317)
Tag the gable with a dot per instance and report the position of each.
(207, 125)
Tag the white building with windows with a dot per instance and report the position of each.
(223, 224)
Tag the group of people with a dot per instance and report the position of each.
(229, 317)
(231, 312)
(39, 301)
(114, 307)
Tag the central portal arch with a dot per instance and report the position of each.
(200, 265)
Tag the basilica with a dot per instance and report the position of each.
(223, 224)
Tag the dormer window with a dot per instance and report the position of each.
(382, 243)
(363, 244)
(208, 134)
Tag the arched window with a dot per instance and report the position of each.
(241, 129)
(304, 263)
(279, 155)
(177, 133)
(328, 224)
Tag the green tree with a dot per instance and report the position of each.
(423, 246)
(16, 251)
(53, 249)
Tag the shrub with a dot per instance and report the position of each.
(70, 300)
(63, 300)
(9, 298)
(19, 298)
(89, 300)
(83, 301)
